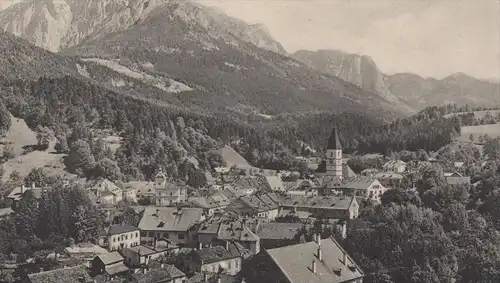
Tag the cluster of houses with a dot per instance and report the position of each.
(223, 233)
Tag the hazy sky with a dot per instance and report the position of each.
(428, 37)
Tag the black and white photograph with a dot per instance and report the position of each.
(249, 141)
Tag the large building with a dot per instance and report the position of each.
(320, 261)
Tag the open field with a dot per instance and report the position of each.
(19, 137)
(477, 114)
(492, 130)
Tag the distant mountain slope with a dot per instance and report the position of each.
(226, 70)
(59, 24)
(409, 89)
(458, 88)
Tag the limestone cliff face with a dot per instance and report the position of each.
(60, 24)
(357, 69)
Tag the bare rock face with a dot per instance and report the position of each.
(59, 24)
(357, 69)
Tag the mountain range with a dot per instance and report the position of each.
(407, 88)
(186, 54)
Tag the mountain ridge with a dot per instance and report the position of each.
(408, 88)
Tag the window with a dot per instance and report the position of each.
(143, 234)
(229, 265)
(137, 234)
(166, 235)
(151, 234)
(114, 239)
(126, 237)
(180, 236)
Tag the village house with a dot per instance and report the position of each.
(174, 225)
(388, 179)
(396, 166)
(159, 273)
(214, 259)
(457, 179)
(110, 265)
(211, 204)
(123, 236)
(220, 229)
(170, 194)
(209, 277)
(263, 206)
(274, 183)
(321, 207)
(18, 193)
(320, 261)
(6, 212)
(105, 193)
(302, 187)
(273, 235)
(141, 255)
(62, 275)
(367, 187)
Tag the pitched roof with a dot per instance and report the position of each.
(360, 183)
(167, 273)
(109, 258)
(278, 231)
(214, 201)
(61, 275)
(120, 229)
(274, 183)
(333, 141)
(6, 211)
(116, 268)
(213, 277)
(330, 202)
(170, 218)
(236, 231)
(260, 203)
(142, 250)
(214, 254)
(295, 262)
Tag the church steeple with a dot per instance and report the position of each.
(334, 141)
(334, 155)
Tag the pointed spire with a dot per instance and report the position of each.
(334, 141)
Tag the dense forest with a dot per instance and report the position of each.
(157, 134)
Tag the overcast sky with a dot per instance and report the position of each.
(429, 37)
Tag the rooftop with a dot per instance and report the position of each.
(142, 250)
(116, 268)
(214, 254)
(165, 274)
(170, 218)
(330, 202)
(295, 262)
(120, 229)
(61, 275)
(278, 231)
(110, 258)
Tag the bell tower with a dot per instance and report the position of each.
(334, 155)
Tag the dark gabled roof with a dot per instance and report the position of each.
(333, 141)
(214, 254)
(120, 229)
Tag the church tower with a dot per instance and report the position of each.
(334, 155)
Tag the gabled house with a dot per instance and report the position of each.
(141, 255)
(362, 186)
(175, 225)
(62, 275)
(274, 183)
(220, 229)
(323, 207)
(263, 206)
(123, 236)
(320, 261)
(211, 204)
(274, 235)
(110, 264)
(18, 193)
(162, 273)
(389, 179)
(214, 259)
(106, 193)
(170, 194)
(457, 179)
(396, 166)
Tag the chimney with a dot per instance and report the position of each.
(344, 258)
(200, 246)
(319, 254)
(33, 185)
(145, 270)
(319, 239)
(313, 266)
(205, 277)
(219, 280)
(23, 189)
(227, 245)
(162, 265)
